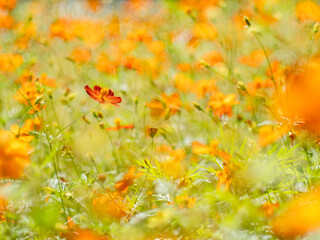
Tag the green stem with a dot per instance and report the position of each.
(24, 117)
(144, 181)
(267, 58)
(78, 118)
(310, 47)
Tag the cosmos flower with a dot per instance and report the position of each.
(14, 155)
(102, 95)
(300, 217)
(118, 126)
(110, 205)
(23, 133)
(123, 185)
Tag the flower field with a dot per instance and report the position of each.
(159, 119)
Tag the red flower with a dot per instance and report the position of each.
(102, 95)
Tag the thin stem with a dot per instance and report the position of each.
(267, 58)
(310, 47)
(144, 181)
(24, 117)
(78, 118)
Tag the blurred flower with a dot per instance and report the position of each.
(10, 62)
(308, 10)
(254, 59)
(184, 67)
(222, 104)
(63, 28)
(32, 88)
(186, 201)
(257, 84)
(166, 107)
(269, 134)
(91, 32)
(211, 149)
(126, 45)
(3, 208)
(105, 65)
(296, 105)
(183, 83)
(131, 62)
(94, 5)
(23, 132)
(84, 234)
(6, 21)
(268, 208)
(14, 155)
(156, 47)
(210, 58)
(300, 217)
(102, 95)
(203, 87)
(139, 35)
(224, 178)
(114, 27)
(110, 205)
(123, 185)
(119, 126)
(8, 4)
(25, 32)
(172, 165)
(80, 55)
(33, 93)
(204, 30)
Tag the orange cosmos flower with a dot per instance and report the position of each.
(186, 201)
(7, 4)
(222, 104)
(106, 65)
(3, 208)
(10, 62)
(224, 177)
(173, 166)
(33, 94)
(14, 155)
(123, 185)
(269, 134)
(308, 11)
(268, 208)
(202, 87)
(85, 234)
(257, 84)
(183, 83)
(94, 5)
(254, 59)
(110, 205)
(102, 95)
(204, 30)
(63, 28)
(166, 107)
(211, 149)
(80, 55)
(297, 104)
(23, 132)
(118, 126)
(6, 21)
(301, 216)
